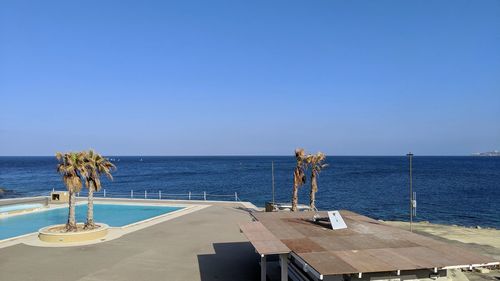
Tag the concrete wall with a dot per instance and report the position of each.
(25, 200)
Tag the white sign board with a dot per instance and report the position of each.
(336, 220)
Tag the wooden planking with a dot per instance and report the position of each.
(462, 255)
(363, 261)
(366, 245)
(425, 257)
(270, 247)
(332, 243)
(264, 242)
(255, 231)
(396, 260)
(326, 263)
(284, 231)
(306, 228)
(303, 245)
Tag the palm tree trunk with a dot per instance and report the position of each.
(295, 194)
(90, 209)
(71, 224)
(312, 194)
(295, 198)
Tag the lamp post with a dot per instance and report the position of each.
(410, 159)
(272, 178)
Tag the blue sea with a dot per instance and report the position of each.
(450, 190)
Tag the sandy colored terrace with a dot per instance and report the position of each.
(485, 240)
(203, 245)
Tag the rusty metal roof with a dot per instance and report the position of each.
(367, 245)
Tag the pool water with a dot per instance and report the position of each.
(19, 207)
(110, 214)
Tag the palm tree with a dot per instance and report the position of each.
(96, 166)
(299, 176)
(72, 170)
(316, 163)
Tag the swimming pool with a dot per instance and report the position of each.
(19, 207)
(115, 215)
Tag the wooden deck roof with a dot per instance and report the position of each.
(264, 242)
(366, 245)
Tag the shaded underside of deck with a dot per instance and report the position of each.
(205, 245)
(365, 246)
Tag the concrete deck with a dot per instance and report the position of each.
(204, 245)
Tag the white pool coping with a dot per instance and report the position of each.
(114, 232)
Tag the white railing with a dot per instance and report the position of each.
(160, 195)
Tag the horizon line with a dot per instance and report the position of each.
(259, 155)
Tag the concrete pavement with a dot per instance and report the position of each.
(205, 245)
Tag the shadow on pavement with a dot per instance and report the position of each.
(231, 261)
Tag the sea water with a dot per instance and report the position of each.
(451, 190)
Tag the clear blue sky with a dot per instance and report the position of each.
(250, 77)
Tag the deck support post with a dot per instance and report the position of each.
(263, 265)
(159, 194)
(284, 267)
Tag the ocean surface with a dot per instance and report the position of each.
(450, 190)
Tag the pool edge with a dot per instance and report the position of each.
(31, 239)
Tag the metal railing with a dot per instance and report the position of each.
(160, 195)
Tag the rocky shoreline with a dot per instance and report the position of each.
(483, 240)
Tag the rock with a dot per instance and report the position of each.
(4, 192)
(482, 270)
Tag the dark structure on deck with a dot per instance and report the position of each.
(366, 250)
